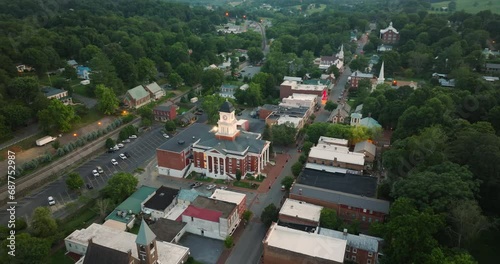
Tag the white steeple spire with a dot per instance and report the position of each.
(341, 52)
(381, 78)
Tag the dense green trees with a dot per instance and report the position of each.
(106, 100)
(57, 116)
(74, 181)
(120, 186)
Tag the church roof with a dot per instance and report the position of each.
(145, 235)
(226, 107)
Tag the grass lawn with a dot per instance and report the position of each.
(82, 90)
(257, 179)
(243, 184)
(182, 109)
(134, 229)
(59, 257)
(471, 6)
(79, 221)
(92, 116)
(220, 181)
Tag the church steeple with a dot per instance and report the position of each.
(381, 78)
(146, 245)
(340, 55)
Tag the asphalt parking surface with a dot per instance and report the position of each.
(203, 249)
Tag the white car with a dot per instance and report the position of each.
(115, 148)
(133, 136)
(166, 136)
(126, 141)
(51, 200)
(211, 186)
(120, 145)
(95, 173)
(122, 156)
(114, 162)
(223, 187)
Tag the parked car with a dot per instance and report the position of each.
(120, 145)
(100, 170)
(133, 137)
(122, 156)
(222, 187)
(196, 184)
(111, 150)
(114, 162)
(115, 148)
(126, 154)
(95, 173)
(126, 141)
(211, 186)
(166, 136)
(90, 187)
(51, 200)
(282, 187)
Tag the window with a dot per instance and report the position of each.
(363, 219)
(369, 220)
(353, 258)
(192, 218)
(354, 250)
(369, 261)
(370, 254)
(348, 249)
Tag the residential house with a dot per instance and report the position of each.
(72, 63)
(83, 72)
(283, 245)
(187, 118)
(160, 202)
(59, 94)
(369, 122)
(337, 59)
(165, 112)
(227, 91)
(384, 48)
(389, 35)
(240, 199)
(211, 218)
(340, 114)
(492, 67)
(137, 97)
(155, 91)
(367, 148)
(360, 248)
(98, 244)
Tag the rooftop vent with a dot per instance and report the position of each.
(180, 142)
(162, 194)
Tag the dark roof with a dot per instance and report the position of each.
(166, 230)
(305, 228)
(341, 182)
(164, 107)
(97, 254)
(162, 198)
(341, 198)
(226, 107)
(50, 91)
(185, 138)
(215, 205)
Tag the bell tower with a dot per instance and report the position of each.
(146, 245)
(227, 127)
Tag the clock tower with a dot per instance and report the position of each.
(227, 128)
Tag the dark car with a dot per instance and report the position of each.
(111, 150)
(90, 187)
(126, 154)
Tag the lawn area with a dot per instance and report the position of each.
(471, 6)
(182, 109)
(134, 229)
(198, 177)
(244, 184)
(257, 179)
(92, 116)
(59, 257)
(82, 90)
(220, 181)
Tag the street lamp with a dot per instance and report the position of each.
(75, 134)
(99, 123)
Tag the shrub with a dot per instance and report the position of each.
(228, 242)
(60, 152)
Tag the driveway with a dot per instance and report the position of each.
(250, 71)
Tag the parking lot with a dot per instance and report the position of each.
(203, 249)
(250, 71)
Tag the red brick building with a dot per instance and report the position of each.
(389, 35)
(137, 97)
(288, 88)
(357, 76)
(215, 152)
(165, 112)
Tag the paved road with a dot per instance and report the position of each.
(141, 150)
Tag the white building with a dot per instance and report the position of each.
(155, 91)
(336, 156)
(333, 141)
(299, 212)
(159, 203)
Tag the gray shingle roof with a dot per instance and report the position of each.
(138, 92)
(365, 146)
(153, 87)
(97, 254)
(364, 242)
(357, 201)
(164, 107)
(167, 229)
(216, 205)
(226, 107)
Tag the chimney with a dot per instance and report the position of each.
(345, 232)
(300, 191)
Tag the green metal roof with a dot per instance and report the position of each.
(132, 203)
(138, 92)
(145, 235)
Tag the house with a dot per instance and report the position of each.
(125, 212)
(59, 94)
(366, 148)
(100, 244)
(283, 245)
(227, 91)
(215, 152)
(300, 213)
(211, 218)
(329, 141)
(187, 118)
(240, 199)
(288, 88)
(72, 63)
(389, 35)
(490, 78)
(137, 97)
(83, 72)
(492, 67)
(336, 156)
(384, 48)
(165, 112)
(24, 68)
(360, 248)
(444, 80)
(340, 114)
(155, 91)
(357, 76)
(160, 202)
(337, 59)
(167, 230)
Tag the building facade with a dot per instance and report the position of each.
(389, 35)
(165, 112)
(288, 88)
(137, 97)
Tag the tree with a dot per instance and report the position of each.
(247, 215)
(125, 67)
(238, 175)
(110, 143)
(359, 64)
(74, 181)
(103, 72)
(42, 223)
(103, 205)
(175, 80)
(296, 168)
(269, 215)
(467, 222)
(147, 117)
(29, 250)
(170, 126)
(287, 182)
(16, 115)
(212, 79)
(330, 106)
(211, 105)
(329, 219)
(306, 147)
(107, 102)
(146, 70)
(229, 242)
(120, 186)
(57, 116)
(24, 88)
(284, 134)
(255, 54)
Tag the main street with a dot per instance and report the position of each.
(141, 150)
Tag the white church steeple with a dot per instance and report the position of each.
(340, 55)
(381, 78)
